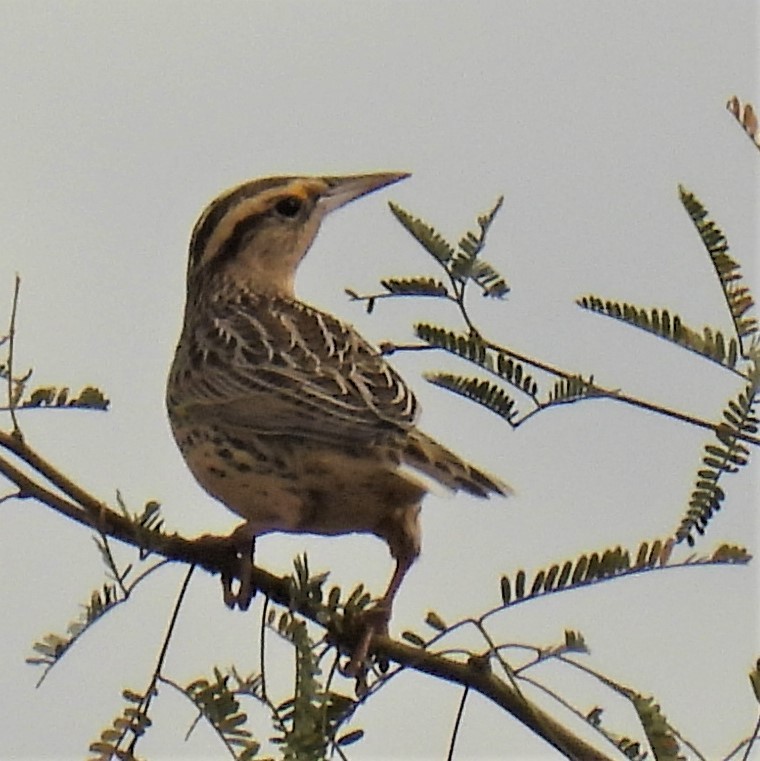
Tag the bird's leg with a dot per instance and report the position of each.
(376, 618)
(245, 543)
(401, 530)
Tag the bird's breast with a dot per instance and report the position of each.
(279, 483)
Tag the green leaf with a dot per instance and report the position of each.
(660, 734)
(91, 398)
(415, 286)
(506, 592)
(520, 585)
(466, 264)
(413, 638)
(478, 390)
(709, 343)
(738, 297)
(575, 641)
(725, 454)
(490, 281)
(754, 678)
(469, 347)
(435, 621)
(570, 389)
(350, 738)
(430, 239)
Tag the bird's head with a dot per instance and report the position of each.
(256, 234)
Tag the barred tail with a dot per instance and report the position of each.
(437, 462)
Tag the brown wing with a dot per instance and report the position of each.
(281, 367)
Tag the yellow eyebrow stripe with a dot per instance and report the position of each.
(302, 188)
(236, 205)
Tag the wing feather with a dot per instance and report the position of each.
(282, 367)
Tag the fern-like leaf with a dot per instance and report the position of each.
(570, 389)
(462, 262)
(310, 720)
(710, 343)
(745, 114)
(466, 264)
(478, 390)
(217, 701)
(469, 347)
(514, 372)
(754, 680)
(428, 237)
(17, 385)
(146, 523)
(89, 398)
(128, 726)
(491, 282)
(611, 563)
(52, 647)
(662, 738)
(415, 286)
(723, 455)
(738, 296)
(472, 243)
(573, 642)
(472, 348)
(570, 574)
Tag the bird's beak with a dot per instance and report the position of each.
(342, 190)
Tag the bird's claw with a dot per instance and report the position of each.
(374, 622)
(235, 553)
(246, 589)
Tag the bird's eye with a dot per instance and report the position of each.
(288, 206)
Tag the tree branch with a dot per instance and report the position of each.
(217, 554)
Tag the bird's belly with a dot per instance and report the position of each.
(278, 484)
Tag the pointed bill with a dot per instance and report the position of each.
(342, 190)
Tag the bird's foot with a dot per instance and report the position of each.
(238, 545)
(373, 622)
(245, 542)
(246, 589)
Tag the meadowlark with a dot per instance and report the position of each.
(284, 413)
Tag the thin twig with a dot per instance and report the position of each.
(493, 649)
(371, 297)
(622, 691)
(111, 561)
(567, 705)
(262, 648)
(50, 665)
(597, 392)
(460, 289)
(151, 692)
(11, 346)
(751, 742)
(457, 723)
(24, 408)
(10, 496)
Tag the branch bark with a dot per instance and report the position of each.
(217, 554)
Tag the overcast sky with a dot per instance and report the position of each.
(119, 122)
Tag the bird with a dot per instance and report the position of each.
(283, 412)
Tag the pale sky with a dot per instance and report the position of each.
(120, 122)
